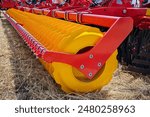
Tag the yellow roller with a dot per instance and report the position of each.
(62, 36)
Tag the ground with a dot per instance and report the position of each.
(23, 77)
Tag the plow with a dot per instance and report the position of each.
(80, 42)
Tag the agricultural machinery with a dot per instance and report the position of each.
(80, 42)
(5, 4)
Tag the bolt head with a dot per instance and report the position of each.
(90, 74)
(124, 11)
(82, 66)
(91, 56)
(99, 64)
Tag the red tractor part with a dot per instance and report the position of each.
(5, 4)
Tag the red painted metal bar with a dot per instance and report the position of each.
(76, 15)
(135, 13)
(144, 23)
(85, 18)
(120, 28)
(5, 4)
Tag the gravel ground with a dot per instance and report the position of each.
(22, 76)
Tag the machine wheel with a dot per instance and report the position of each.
(71, 80)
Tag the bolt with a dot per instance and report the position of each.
(99, 64)
(90, 74)
(82, 66)
(91, 56)
(124, 11)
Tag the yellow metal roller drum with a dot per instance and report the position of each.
(62, 36)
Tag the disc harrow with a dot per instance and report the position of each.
(67, 38)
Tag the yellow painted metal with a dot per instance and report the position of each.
(64, 75)
(64, 36)
(148, 12)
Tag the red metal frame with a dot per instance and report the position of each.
(112, 9)
(5, 4)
